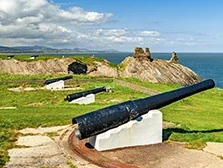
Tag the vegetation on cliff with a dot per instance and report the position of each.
(140, 66)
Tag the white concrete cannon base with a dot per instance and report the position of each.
(144, 130)
(56, 85)
(85, 100)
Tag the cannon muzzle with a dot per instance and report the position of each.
(73, 96)
(49, 81)
(99, 121)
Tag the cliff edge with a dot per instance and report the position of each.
(141, 66)
(158, 71)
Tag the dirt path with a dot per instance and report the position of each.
(136, 87)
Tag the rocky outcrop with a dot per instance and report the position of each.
(50, 66)
(158, 71)
(57, 65)
(141, 55)
(103, 69)
(174, 58)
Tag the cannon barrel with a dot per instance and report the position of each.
(57, 79)
(73, 96)
(101, 120)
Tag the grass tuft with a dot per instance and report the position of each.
(196, 145)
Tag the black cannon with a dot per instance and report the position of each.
(77, 68)
(49, 81)
(73, 96)
(99, 121)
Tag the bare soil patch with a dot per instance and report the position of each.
(165, 155)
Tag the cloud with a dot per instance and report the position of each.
(149, 34)
(111, 32)
(48, 11)
(77, 14)
(43, 22)
(123, 39)
(184, 41)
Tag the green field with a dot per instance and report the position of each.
(199, 117)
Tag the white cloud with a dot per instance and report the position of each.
(111, 32)
(123, 39)
(184, 41)
(23, 20)
(79, 15)
(42, 22)
(114, 36)
(149, 34)
(18, 9)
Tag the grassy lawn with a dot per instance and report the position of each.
(199, 117)
(45, 107)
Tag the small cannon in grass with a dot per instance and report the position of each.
(104, 119)
(78, 95)
(56, 83)
(57, 79)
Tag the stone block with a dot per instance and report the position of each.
(144, 130)
(85, 100)
(56, 85)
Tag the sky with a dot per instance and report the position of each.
(161, 25)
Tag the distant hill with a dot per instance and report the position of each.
(44, 49)
(36, 47)
(25, 49)
(2, 48)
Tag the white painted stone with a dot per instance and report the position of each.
(56, 85)
(137, 132)
(85, 100)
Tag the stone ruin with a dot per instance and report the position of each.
(174, 58)
(141, 55)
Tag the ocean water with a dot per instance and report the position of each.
(207, 65)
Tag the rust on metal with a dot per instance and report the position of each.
(93, 156)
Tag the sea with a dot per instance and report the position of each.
(207, 65)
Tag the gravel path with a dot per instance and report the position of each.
(136, 87)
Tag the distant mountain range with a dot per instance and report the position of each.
(44, 49)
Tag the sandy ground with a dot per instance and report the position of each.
(47, 147)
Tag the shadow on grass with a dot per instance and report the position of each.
(167, 132)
